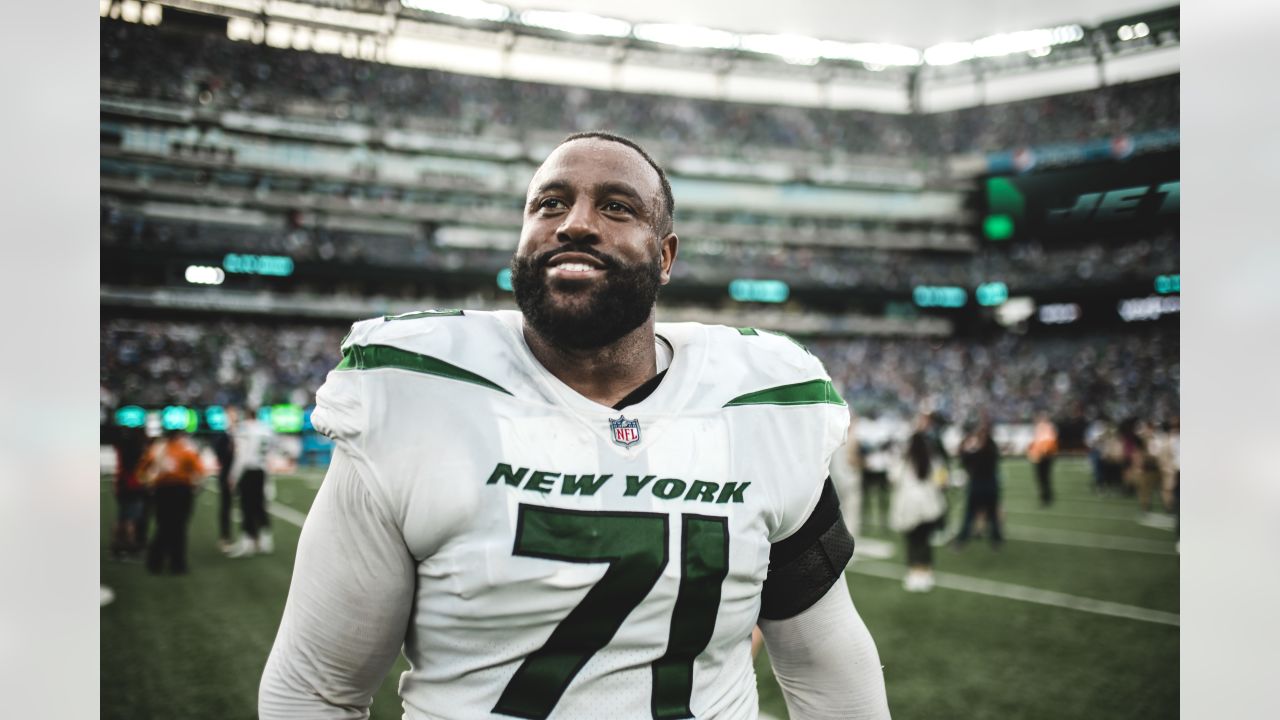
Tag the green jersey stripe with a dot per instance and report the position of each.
(372, 357)
(812, 392)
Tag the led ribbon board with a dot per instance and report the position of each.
(277, 265)
(765, 291)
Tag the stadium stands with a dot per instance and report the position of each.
(338, 210)
(215, 72)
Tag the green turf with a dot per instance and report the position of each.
(194, 646)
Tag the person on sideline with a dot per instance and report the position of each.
(915, 508)
(172, 468)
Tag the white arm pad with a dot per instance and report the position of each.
(348, 606)
(826, 661)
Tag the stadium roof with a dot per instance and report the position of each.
(915, 23)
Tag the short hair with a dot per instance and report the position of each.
(666, 220)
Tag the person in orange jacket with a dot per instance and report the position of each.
(172, 468)
(1044, 445)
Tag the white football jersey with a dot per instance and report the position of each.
(253, 441)
(575, 561)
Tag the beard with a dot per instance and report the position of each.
(595, 315)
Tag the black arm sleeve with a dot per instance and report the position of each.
(805, 565)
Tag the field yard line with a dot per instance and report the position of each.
(280, 510)
(1134, 516)
(286, 513)
(1009, 591)
(1091, 540)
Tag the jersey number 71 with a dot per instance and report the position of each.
(634, 544)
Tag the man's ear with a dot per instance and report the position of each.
(668, 246)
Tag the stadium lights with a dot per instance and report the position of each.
(469, 9)
(690, 36)
(1036, 43)
(878, 54)
(795, 49)
(1133, 32)
(948, 53)
(205, 275)
(577, 23)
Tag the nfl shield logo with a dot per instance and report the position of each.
(625, 432)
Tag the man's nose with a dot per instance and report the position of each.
(581, 224)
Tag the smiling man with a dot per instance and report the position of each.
(574, 511)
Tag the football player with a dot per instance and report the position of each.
(574, 511)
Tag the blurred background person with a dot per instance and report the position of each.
(1093, 433)
(252, 440)
(845, 476)
(1111, 458)
(915, 508)
(1043, 448)
(224, 451)
(127, 541)
(932, 425)
(875, 443)
(1142, 466)
(1168, 452)
(173, 469)
(980, 458)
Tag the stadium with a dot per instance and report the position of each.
(973, 218)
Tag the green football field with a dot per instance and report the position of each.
(1075, 617)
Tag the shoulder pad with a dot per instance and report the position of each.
(760, 367)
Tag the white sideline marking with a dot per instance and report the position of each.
(1158, 521)
(1076, 516)
(280, 510)
(1090, 540)
(287, 514)
(1009, 591)
(872, 548)
(1050, 536)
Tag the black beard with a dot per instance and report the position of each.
(616, 307)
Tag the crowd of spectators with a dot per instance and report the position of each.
(1011, 377)
(157, 363)
(1027, 265)
(1136, 374)
(213, 71)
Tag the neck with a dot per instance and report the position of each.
(604, 375)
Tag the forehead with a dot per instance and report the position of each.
(588, 162)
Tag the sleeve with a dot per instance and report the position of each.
(803, 567)
(826, 662)
(348, 607)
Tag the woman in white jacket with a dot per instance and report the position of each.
(914, 509)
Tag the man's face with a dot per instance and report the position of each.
(589, 263)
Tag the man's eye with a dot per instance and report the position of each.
(614, 206)
(550, 203)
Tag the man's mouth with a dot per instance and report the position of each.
(574, 266)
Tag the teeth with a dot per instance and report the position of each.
(576, 267)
